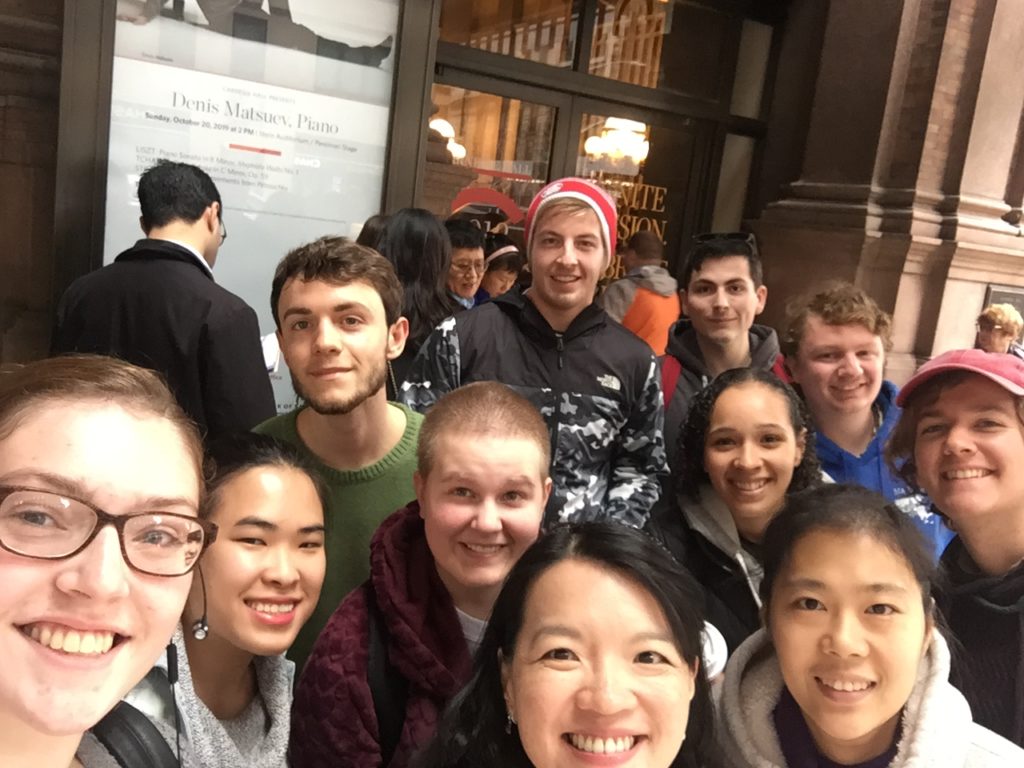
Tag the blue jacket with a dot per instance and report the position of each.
(871, 471)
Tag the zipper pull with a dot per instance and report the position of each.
(560, 346)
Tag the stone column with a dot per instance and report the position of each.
(907, 168)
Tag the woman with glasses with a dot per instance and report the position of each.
(100, 488)
(255, 589)
(999, 327)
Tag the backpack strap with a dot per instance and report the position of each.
(389, 690)
(671, 369)
(132, 739)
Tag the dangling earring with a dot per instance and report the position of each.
(200, 629)
(391, 377)
(509, 722)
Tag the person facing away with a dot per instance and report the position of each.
(748, 442)
(399, 647)
(999, 327)
(417, 245)
(851, 668)
(592, 657)
(100, 486)
(960, 440)
(646, 300)
(835, 344)
(722, 293)
(338, 311)
(468, 266)
(158, 306)
(257, 584)
(594, 382)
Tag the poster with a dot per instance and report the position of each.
(285, 104)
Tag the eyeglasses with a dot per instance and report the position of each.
(987, 325)
(53, 526)
(223, 231)
(469, 267)
(713, 237)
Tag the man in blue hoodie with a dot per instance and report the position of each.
(835, 345)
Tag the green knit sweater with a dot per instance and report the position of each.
(359, 500)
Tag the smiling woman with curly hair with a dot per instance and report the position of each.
(747, 442)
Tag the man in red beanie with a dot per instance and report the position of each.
(595, 383)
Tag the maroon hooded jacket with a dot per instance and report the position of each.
(333, 720)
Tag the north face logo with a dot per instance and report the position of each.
(609, 382)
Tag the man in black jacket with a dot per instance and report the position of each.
(595, 383)
(158, 306)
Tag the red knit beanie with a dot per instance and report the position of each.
(580, 189)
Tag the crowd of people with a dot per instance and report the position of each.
(518, 519)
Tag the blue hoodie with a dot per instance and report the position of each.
(871, 471)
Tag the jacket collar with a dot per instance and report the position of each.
(148, 249)
(522, 310)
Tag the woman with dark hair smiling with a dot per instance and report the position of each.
(746, 443)
(850, 669)
(257, 586)
(558, 682)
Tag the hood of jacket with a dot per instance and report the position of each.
(709, 517)
(426, 642)
(654, 278)
(682, 344)
(936, 729)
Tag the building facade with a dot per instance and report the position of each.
(869, 140)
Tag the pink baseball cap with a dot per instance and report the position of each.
(580, 189)
(1004, 369)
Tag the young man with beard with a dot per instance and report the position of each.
(595, 383)
(835, 345)
(338, 311)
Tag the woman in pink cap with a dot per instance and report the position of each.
(960, 440)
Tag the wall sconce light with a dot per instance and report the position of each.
(446, 129)
(620, 139)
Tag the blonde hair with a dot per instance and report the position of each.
(482, 408)
(1005, 315)
(571, 206)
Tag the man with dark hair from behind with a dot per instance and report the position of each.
(646, 299)
(158, 306)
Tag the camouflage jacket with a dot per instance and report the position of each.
(596, 385)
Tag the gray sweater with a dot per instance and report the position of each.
(258, 738)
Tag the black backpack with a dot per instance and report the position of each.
(132, 739)
(390, 691)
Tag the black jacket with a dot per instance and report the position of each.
(728, 586)
(694, 374)
(596, 386)
(157, 307)
(986, 617)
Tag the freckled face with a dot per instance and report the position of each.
(967, 451)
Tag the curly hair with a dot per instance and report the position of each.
(836, 303)
(690, 473)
